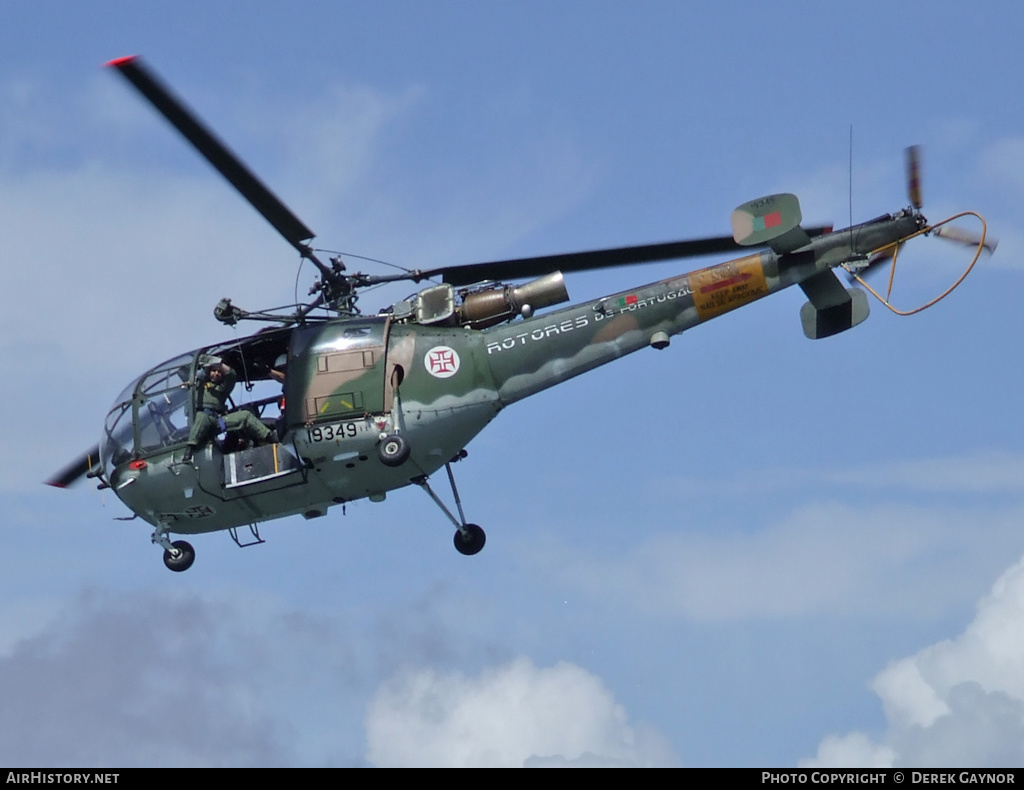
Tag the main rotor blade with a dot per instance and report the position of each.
(216, 152)
(519, 268)
(76, 469)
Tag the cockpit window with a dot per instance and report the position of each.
(152, 413)
(163, 420)
(118, 440)
(149, 414)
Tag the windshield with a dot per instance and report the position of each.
(152, 414)
(151, 410)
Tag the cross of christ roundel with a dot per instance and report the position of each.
(442, 362)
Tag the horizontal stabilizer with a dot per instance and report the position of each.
(773, 220)
(831, 309)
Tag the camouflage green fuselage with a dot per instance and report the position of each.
(350, 381)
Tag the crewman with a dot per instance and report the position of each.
(217, 380)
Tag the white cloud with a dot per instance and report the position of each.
(984, 472)
(959, 702)
(825, 194)
(146, 678)
(1003, 162)
(854, 750)
(333, 144)
(885, 559)
(516, 715)
(872, 540)
(1000, 180)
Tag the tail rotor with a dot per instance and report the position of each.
(942, 230)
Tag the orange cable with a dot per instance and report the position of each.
(895, 246)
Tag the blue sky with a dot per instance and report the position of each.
(749, 549)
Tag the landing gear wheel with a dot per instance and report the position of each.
(472, 543)
(393, 450)
(183, 559)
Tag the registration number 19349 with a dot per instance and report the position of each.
(341, 430)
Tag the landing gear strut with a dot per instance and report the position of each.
(393, 449)
(469, 538)
(178, 556)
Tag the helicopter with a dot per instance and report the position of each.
(357, 405)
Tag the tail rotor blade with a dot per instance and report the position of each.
(967, 238)
(913, 165)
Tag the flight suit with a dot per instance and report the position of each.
(210, 413)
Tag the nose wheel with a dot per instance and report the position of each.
(180, 556)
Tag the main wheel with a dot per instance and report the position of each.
(184, 558)
(472, 543)
(393, 450)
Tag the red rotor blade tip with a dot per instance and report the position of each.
(118, 62)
